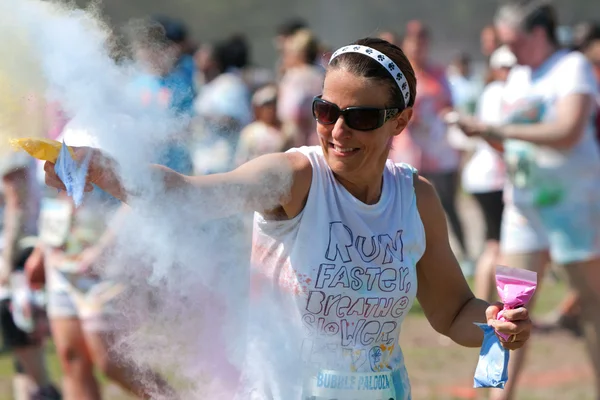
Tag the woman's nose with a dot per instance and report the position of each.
(340, 129)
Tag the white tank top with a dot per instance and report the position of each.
(344, 275)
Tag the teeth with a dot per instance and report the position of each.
(343, 149)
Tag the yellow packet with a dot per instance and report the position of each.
(42, 149)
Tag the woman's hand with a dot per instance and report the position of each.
(517, 325)
(101, 172)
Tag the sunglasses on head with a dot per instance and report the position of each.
(358, 118)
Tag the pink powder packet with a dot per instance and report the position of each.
(515, 288)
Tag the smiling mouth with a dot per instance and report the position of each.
(343, 150)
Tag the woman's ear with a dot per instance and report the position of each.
(402, 120)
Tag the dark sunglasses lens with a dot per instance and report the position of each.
(325, 113)
(363, 119)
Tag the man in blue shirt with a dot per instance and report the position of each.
(165, 81)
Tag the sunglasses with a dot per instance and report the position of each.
(358, 118)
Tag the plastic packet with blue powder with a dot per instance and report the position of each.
(71, 174)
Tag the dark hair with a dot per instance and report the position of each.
(531, 14)
(232, 53)
(463, 58)
(363, 66)
(175, 30)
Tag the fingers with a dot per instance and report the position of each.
(518, 314)
(52, 179)
(491, 313)
(510, 327)
(515, 341)
(512, 334)
(515, 330)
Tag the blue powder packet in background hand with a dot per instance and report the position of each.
(72, 175)
(492, 368)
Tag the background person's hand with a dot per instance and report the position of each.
(471, 126)
(517, 325)
(88, 259)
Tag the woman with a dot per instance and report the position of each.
(309, 240)
(484, 174)
(552, 199)
(301, 80)
(81, 304)
(22, 199)
(426, 143)
(222, 107)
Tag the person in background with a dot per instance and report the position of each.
(84, 321)
(302, 80)
(284, 31)
(488, 42)
(176, 32)
(590, 47)
(552, 196)
(567, 315)
(253, 75)
(22, 202)
(483, 175)
(425, 143)
(463, 85)
(266, 134)
(163, 83)
(222, 106)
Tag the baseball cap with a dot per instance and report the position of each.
(502, 57)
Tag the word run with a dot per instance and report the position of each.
(341, 240)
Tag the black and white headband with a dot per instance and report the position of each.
(382, 59)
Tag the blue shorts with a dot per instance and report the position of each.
(570, 231)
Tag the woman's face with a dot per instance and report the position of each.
(350, 153)
(266, 113)
(489, 41)
(291, 57)
(593, 54)
(416, 48)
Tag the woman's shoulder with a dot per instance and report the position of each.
(303, 160)
(401, 169)
(428, 204)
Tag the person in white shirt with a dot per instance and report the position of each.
(25, 339)
(552, 198)
(484, 174)
(338, 221)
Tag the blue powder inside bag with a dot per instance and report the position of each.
(72, 175)
(492, 367)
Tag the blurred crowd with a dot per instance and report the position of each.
(238, 111)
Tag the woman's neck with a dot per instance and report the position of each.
(367, 191)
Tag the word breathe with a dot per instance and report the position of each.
(359, 304)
